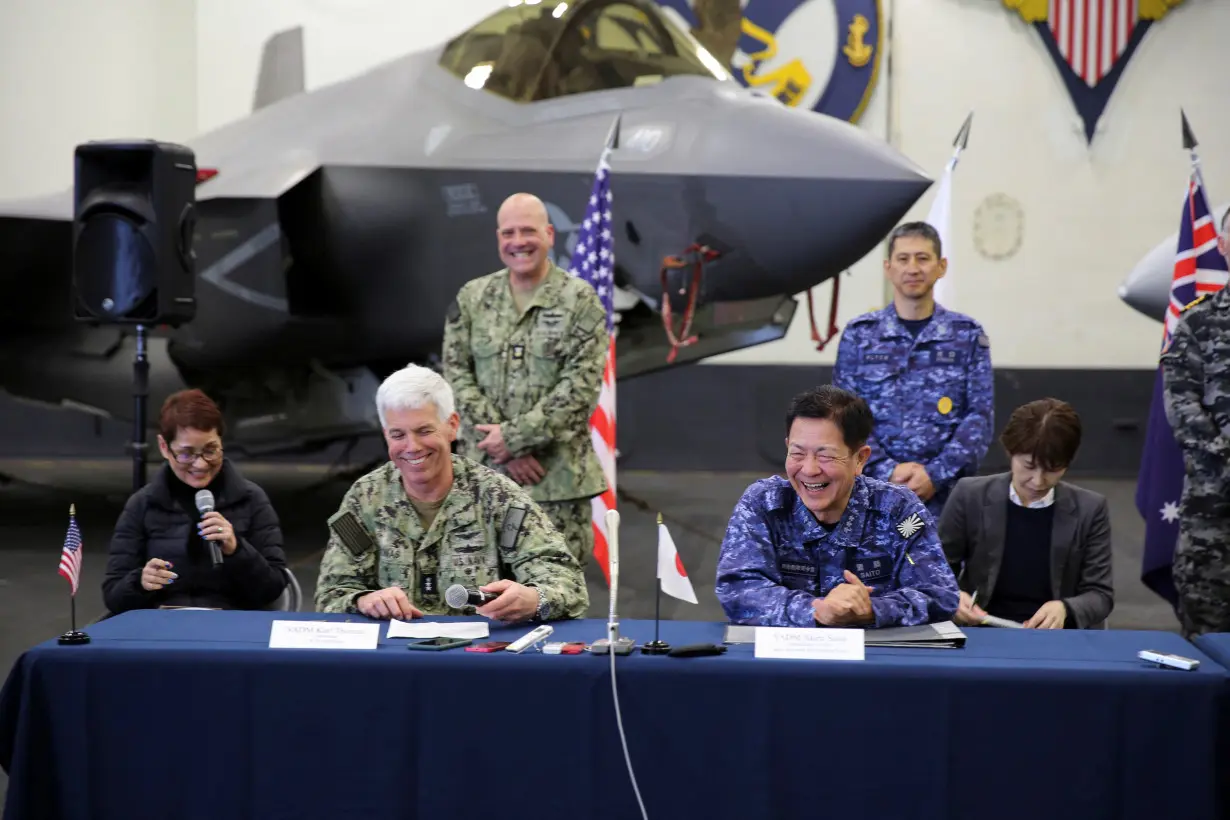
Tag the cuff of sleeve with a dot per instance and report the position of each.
(244, 554)
(884, 612)
(514, 439)
(799, 610)
(882, 469)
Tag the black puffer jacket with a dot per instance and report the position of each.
(159, 521)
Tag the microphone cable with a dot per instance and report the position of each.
(622, 739)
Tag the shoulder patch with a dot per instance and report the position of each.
(910, 526)
(351, 533)
(454, 311)
(511, 530)
(1195, 301)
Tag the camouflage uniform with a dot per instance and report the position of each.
(776, 558)
(933, 398)
(376, 541)
(537, 374)
(1196, 373)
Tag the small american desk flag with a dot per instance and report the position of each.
(593, 260)
(70, 556)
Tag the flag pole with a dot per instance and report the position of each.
(657, 646)
(73, 637)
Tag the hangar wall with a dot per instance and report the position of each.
(76, 70)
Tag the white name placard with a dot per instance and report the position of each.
(818, 644)
(323, 635)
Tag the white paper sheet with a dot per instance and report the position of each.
(435, 629)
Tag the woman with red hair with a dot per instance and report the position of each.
(162, 553)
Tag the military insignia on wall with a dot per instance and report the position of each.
(818, 54)
(1091, 42)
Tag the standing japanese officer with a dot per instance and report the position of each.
(1196, 379)
(524, 349)
(926, 373)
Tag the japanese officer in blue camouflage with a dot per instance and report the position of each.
(827, 545)
(428, 519)
(926, 373)
(524, 349)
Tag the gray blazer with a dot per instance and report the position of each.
(972, 530)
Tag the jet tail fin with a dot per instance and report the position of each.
(282, 68)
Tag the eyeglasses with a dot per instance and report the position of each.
(211, 453)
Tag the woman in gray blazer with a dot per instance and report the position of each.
(1025, 545)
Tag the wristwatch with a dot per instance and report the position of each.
(544, 607)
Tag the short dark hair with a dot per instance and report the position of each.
(848, 411)
(922, 229)
(189, 408)
(1047, 430)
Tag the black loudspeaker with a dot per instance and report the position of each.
(134, 216)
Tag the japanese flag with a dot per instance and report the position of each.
(671, 574)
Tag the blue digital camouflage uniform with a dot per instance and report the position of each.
(933, 398)
(776, 558)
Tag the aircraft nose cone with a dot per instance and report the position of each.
(1147, 287)
(790, 197)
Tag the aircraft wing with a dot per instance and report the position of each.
(642, 345)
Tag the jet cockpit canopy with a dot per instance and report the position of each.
(542, 50)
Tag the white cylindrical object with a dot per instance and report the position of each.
(612, 557)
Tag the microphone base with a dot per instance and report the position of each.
(73, 638)
(656, 648)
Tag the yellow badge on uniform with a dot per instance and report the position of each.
(944, 405)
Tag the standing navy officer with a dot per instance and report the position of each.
(926, 373)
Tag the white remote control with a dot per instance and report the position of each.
(529, 639)
(1166, 659)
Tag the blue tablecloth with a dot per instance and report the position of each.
(185, 715)
(1216, 646)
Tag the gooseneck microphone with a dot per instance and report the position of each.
(458, 596)
(205, 504)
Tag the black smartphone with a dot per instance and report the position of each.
(438, 643)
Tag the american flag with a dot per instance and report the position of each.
(593, 260)
(1092, 34)
(1199, 268)
(70, 556)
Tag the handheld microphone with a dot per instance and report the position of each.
(205, 504)
(458, 596)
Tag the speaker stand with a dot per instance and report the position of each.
(140, 392)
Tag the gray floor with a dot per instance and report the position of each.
(34, 605)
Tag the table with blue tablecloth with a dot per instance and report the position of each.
(1216, 645)
(186, 715)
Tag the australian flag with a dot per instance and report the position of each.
(1199, 268)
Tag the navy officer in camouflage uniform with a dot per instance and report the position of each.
(429, 519)
(828, 545)
(1196, 379)
(524, 349)
(926, 373)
